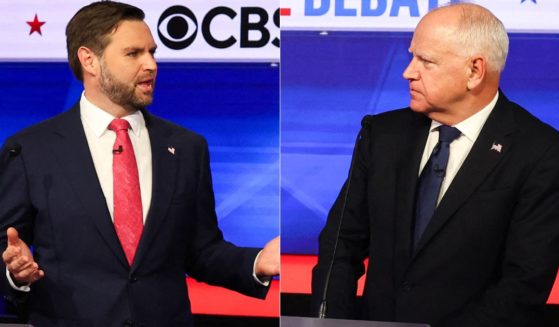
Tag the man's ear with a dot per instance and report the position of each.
(89, 61)
(477, 67)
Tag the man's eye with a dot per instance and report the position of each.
(427, 62)
(132, 54)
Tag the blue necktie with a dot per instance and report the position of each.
(431, 180)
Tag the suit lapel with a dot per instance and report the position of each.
(74, 158)
(164, 167)
(479, 163)
(406, 186)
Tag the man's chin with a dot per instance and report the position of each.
(143, 100)
(418, 107)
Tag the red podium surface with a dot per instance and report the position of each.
(212, 300)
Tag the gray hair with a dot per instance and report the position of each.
(480, 32)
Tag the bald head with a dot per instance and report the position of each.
(458, 52)
(475, 31)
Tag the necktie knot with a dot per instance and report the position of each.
(448, 134)
(119, 124)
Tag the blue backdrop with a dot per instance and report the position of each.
(329, 82)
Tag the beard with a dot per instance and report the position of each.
(121, 93)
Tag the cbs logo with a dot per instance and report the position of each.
(178, 27)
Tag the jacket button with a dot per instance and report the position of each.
(133, 279)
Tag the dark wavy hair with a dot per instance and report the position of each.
(92, 27)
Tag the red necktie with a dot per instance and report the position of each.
(128, 218)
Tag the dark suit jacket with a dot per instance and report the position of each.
(51, 194)
(490, 253)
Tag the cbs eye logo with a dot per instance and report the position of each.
(174, 27)
(178, 27)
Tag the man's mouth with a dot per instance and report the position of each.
(146, 85)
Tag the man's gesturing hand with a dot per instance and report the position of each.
(268, 263)
(19, 260)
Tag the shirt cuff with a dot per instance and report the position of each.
(24, 288)
(264, 281)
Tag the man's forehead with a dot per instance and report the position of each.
(131, 28)
(132, 34)
(431, 44)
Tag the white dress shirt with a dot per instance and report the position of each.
(459, 149)
(101, 140)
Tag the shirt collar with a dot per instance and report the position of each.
(98, 119)
(471, 126)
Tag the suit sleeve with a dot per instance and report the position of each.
(15, 207)
(531, 256)
(349, 216)
(216, 261)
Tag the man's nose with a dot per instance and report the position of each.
(410, 73)
(150, 63)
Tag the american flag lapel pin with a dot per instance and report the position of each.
(171, 150)
(497, 147)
